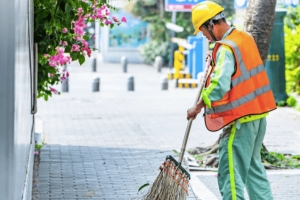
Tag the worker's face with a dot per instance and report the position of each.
(206, 33)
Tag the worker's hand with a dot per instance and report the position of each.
(193, 112)
(207, 56)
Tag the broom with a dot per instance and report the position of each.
(172, 183)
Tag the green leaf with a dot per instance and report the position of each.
(86, 37)
(69, 13)
(296, 157)
(52, 70)
(67, 49)
(84, 6)
(68, 8)
(112, 25)
(81, 59)
(38, 146)
(145, 185)
(74, 55)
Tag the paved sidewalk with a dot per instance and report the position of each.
(105, 145)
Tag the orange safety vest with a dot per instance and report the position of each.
(250, 91)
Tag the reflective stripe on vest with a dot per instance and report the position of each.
(245, 73)
(240, 101)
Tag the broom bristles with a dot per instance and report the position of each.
(171, 183)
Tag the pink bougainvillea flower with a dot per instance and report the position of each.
(105, 9)
(85, 43)
(67, 59)
(60, 42)
(75, 47)
(53, 90)
(50, 75)
(65, 43)
(107, 22)
(79, 26)
(59, 58)
(64, 30)
(46, 55)
(36, 153)
(63, 77)
(123, 19)
(115, 19)
(99, 14)
(76, 37)
(94, 37)
(86, 51)
(80, 10)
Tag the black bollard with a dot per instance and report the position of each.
(130, 83)
(94, 65)
(124, 63)
(65, 85)
(164, 83)
(158, 63)
(96, 85)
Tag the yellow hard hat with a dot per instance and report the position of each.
(204, 11)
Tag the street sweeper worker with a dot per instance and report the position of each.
(237, 97)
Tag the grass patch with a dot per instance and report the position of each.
(271, 160)
(199, 159)
(279, 160)
(38, 147)
(176, 152)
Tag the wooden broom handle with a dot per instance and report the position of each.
(208, 69)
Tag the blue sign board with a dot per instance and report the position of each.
(181, 5)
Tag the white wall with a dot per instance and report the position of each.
(16, 120)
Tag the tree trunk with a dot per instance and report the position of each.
(259, 22)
